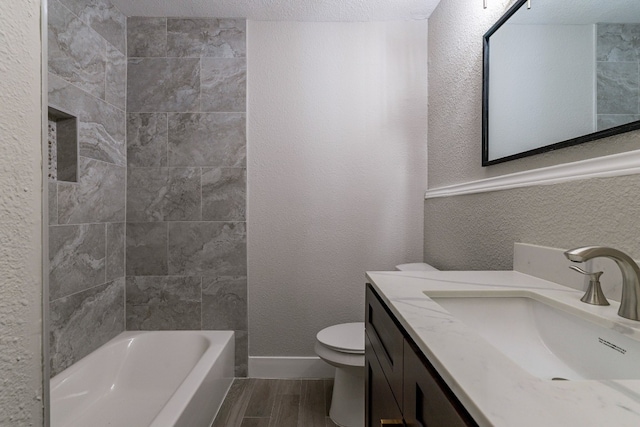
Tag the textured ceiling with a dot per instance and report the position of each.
(283, 10)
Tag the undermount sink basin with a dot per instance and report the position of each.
(546, 340)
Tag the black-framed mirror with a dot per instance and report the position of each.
(558, 74)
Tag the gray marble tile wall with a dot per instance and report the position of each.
(186, 233)
(617, 74)
(87, 78)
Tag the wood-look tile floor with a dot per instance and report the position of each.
(253, 402)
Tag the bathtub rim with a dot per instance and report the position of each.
(218, 343)
(175, 407)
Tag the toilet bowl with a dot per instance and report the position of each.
(342, 346)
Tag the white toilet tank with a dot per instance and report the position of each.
(416, 266)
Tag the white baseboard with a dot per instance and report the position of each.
(289, 367)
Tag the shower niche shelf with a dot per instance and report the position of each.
(63, 146)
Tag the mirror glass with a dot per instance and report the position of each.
(558, 74)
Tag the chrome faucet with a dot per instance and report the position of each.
(630, 302)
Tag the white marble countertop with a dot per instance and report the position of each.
(494, 389)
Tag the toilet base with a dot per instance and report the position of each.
(347, 401)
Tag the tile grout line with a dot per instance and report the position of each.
(106, 250)
(85, 92)
(107, 42)
(301, 402)
(274, 407)
(126, 161)
(245, 402)
(83, 290)
(77, 224)
(278, 388)
(77, 183)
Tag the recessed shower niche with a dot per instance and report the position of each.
(63, 146)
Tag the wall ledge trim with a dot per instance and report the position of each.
(627, 163)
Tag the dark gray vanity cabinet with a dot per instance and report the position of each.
(428, 401)
(402, 387)
(384, 347)
(380, 402)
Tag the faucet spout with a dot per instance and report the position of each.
(630, 302)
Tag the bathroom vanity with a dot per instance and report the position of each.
(427, 365)
(401, 384)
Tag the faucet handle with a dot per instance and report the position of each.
(595, 276)
(594, 294)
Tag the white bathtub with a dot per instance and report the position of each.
(156, 379)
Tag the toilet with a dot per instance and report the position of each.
(416, 266)
(342, 346)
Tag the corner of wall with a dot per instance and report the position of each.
(21, 400)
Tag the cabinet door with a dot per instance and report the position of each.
(386, 340)
(428, 401)
(380, 405)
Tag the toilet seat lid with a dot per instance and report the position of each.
(345, 337)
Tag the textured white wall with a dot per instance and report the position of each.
(20, 215)
(336, 170)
